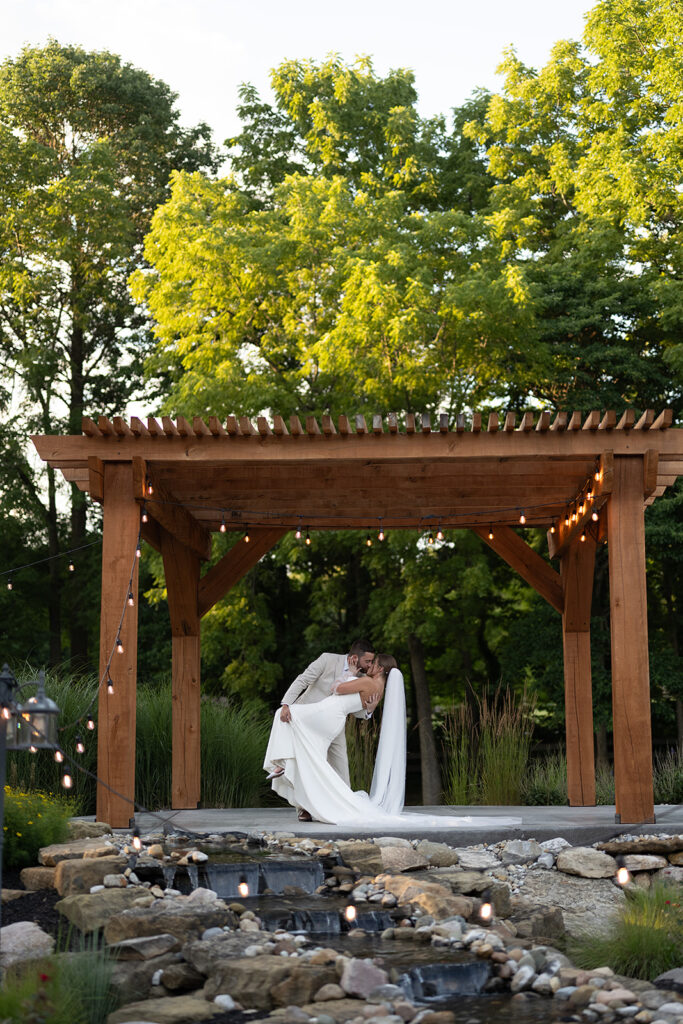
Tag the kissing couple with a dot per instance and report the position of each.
(306, 757)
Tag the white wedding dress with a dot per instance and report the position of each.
(309, 781)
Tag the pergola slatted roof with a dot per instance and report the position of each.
(558, 471)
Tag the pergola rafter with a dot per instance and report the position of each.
(559, 472)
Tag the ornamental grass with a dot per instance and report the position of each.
(645, 940)
(67, 988)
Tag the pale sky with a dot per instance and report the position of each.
(204, 49)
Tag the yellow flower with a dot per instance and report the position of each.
(19, 834)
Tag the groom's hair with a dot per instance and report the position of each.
(360, 647)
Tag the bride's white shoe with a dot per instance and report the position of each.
(274, 774)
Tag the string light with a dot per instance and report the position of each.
(110, 685)
(583, 536)
(368, 541)
(223, 527)
(80, 745)
(380, 535)
(552, 527)
(131, 598)
(144, 517)
(566, 519)
(439, 533)
(10, 584)
(430, 538)
(573, 516)
(32, 749)
(247, 538)
(59, 756)
(138, 550)
(298, 531)
(90, 723)
(581, 508)
(597, 476)
(522, 519)
(308, 538)
(137, 842)
(150, 489)
(119, 645)
(490, 533)
(67, 781)
(72, 567)
(5, 712)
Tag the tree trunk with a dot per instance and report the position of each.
(429, 762)
(601, 756)
(54, 596)
(679, 723)
(78, 631)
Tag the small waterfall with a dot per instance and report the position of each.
(372, 920)
(440, 981)
(224, 879)
(317, 922)
(277, 875)
(169, 875)
(193, 875)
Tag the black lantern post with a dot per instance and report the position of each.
(32, 726)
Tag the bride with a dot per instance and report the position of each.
(296, 756)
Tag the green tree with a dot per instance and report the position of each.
(87, 144)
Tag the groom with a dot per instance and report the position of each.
(316, 682)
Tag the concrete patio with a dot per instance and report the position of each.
(580, 826)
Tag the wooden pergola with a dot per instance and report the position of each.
(583, 479)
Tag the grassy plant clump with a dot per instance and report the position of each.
(604, 784)
(460, 774)
(668, 777)
(545, 782)
(33, 820)
(67, 988)
(645, 940)
(233, 742)
(487, 749)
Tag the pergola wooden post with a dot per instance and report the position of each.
(116, 711)
(630, 664)
(576, 569)
(194, 480)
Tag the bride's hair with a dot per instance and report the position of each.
(386, 661)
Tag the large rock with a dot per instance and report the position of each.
(671, 873)
(21, 941)
(477, 860)
(180, 917)
(261, 982)
(182, 977)
(76, 876)
(35, 879)
(672, 980)
(80, 829)
(401, 858)
(50, 856)
(467, 883)
(167, 1010)
(360, 977)
(439, 855)
(339, 1010)
(586, 862)
(520, 851)
(434, 899)
(205, 954)
(132, 979)
(644, 862)
(364, 857)
(91, 912)
(587, 905)
(146, 948)
(645, 844)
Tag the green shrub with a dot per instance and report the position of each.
(644, 941)
(545, 781)
(604, 784)
(460, 772)
(361, 745)
(33, 820)
(66, 988)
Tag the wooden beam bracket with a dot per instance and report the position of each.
(564, 534)
(169, 513)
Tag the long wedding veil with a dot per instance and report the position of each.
(389, 777)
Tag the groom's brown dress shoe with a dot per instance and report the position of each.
(304, 815)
